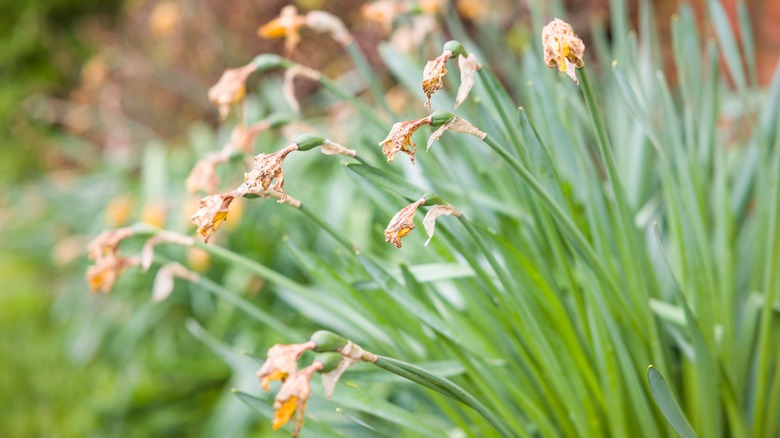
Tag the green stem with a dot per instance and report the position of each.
(443, 386)
(327, 228)
(490, 85)
(345, 95)
(362, 64)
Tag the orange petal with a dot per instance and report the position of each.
(285, 412)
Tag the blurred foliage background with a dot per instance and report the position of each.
(99, 100)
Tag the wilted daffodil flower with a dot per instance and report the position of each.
(230, 88)
(293, 397)
(289, 22)
(267, 168)
(402, 223)
(400, 138)
(563, 48)
(212, 212)
(281, 362)
(104, 250)
(435, 70)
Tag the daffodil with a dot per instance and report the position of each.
(212, 212)
(230, 88)
(281, 362)
(562, 47)
(402, 223)
(400, 138)
(267, 168)
(287, 25)
(293, 397)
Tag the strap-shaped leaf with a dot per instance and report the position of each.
(667, 403)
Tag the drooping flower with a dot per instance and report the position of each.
(351, 354)
(293, 397)
(429, 222)
(281, 362)
(383, 12)
(321, 21)
(164, 280)
(107, 243)
(230, 88)
(402, 223)
(102, 275)
(563, 48)
(287, 25)
(267, 168)
(468, 66)
(400, 138)
(203, 175)
(212, 212)
(433, 72)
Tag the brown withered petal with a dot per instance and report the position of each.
(230, 88)
(383, 12)
(164, 280)
(456, 124)
(332, 148)
(281, 361)
(288, 85)
(203, 175)
(402, 223)
(267, 168)
(351, 354)
(242, 137)
(293, 397)
(400, 138)
(429, 222)
(147, 252)
(563, 48)
(432, 75)
(322, 21)
(103, 274)
(212, 212)
(468, 66)
(107, 243)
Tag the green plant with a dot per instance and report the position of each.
(593, 231)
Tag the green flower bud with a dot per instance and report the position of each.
(327, 341)
(329, 361)
(455, 47)
(307, 142)
(440, 117)
(268, 61)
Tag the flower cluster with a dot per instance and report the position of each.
(337, 354)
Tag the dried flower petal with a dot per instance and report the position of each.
(332, 148)
(242, 137)
(212, 212)
(107, 243)
(230, 88)
(268, 167)
(468, 66)
(383, 12)
(563, 48)
(288, 86)
(293, 396)
(429, 222)
(203, 175)
(402, 223)
(432, 75)
(456, 124)
(164, 280)
(102, 275)
(147, 253)
(400, 138)
(351, 354)
(287, 25)
(322, 21)
(281, 362)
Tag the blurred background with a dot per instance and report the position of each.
(103, 109)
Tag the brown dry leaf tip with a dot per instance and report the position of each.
(456, 124)
(204, 175)
(287, 25)
(402, 223)
(281, 362)
(164, 280)
(292, 398)
(432, 75)
(326, 22)
(351, 354)
(212, 212)
(230, 88)
(147, 253)
(400, 138)
(288, 86)
(332, 148)
(563, 48)
(429, 222)
(267, 168)
(468, 66)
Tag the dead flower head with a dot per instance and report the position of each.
(293, 397)
(281, 362)
(383, 12)
(432, 75)
(212, 212)
(402, 223)
(400, 138)
(204, 175)
(102, 275)
(563, 48)
(230, 88)
(468, 66)
(267, 168)
(107, 243)
(287, 25)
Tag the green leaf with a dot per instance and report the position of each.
(667, 403)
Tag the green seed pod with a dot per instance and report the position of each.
(327, 341)
(268, 61)
(329, 361)
(440, 117)
(455, 47)
(308, 142)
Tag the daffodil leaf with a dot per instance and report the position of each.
(667, 403)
